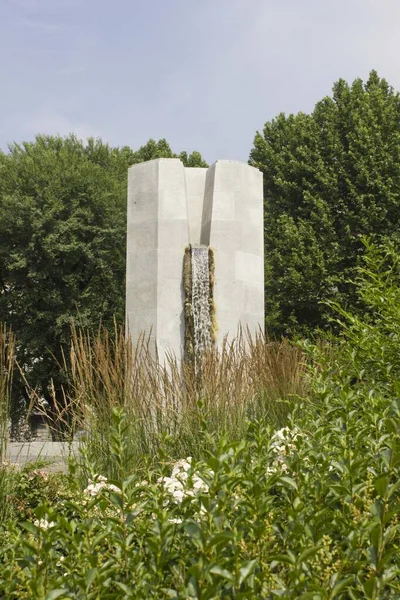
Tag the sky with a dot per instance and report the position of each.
(204, 74)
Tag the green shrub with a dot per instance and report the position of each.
(308, 512)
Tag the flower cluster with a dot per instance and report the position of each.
(98, 485)
(284, 438)
(282, 444)
(183, 482)
(43, 523)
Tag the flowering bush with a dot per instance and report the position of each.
(309, 512)
(230, 526)
(28, 486)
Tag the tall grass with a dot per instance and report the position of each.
(7, 346)
(166, 404)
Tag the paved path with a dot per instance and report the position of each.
(56, 453)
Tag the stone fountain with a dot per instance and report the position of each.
(195, 254)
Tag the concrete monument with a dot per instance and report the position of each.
(195, 254)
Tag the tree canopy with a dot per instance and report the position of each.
(62, 243)
(330, 177)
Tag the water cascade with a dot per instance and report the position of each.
(202, 322)
(198, 283)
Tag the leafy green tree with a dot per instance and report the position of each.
(192, 160)
(62, 246)
(152, 150)
(162, 149)
(330, 178)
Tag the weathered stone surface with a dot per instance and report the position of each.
(169, 207)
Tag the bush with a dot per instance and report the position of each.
(310, 511)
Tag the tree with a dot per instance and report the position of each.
(162, 149)
(329, 178)
(62, 246)
(192, 160)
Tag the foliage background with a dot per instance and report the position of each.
(329, 178)
(62, 246)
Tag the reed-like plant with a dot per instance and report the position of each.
(244, 379)
(7, 346)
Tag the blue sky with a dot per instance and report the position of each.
(204, 74)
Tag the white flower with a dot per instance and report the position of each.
(172, 487)
(99, 484)
(281, 434)
(199, 485)
(286, 436)
(170, 484)
(180, 485)
(44, 523)
(178, 495)
(181, 467)
(282, 444)
(113, 488)
(93, 489)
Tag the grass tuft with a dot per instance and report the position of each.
(249, 378)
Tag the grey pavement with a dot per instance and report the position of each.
(56, 453)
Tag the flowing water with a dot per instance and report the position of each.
(200, 299)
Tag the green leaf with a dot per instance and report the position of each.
(370, 587)
(195, 533)
(381, 484)
(53, 594)
(246, 570)
(193, 530)
(125, 588)
(377, 509)
(224, 573)
(30, 527)
(117, 500)
(289, 481)
(90, 576)
(307, 553)
(341, 585)
(220, 539)
(282, 558)
(393, 489)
